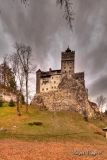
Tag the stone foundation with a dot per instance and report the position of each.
(71, 95)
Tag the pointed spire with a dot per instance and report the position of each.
(68, 50)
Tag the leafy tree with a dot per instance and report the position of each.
(6, 75)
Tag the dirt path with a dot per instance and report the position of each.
(20, 150)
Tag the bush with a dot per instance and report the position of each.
(1, 103)
(86, 118)
(98, 132)
(11, 103)
(35, 123)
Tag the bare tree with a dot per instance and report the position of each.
(24, 54)
(68, 15)
(24, 2)
(19, 77)
(101, 100)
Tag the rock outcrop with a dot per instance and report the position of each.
(71, 95)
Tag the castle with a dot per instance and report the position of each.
(63, 89)
(49, 80)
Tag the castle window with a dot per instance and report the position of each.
(55, 87)
(46, 88)
(54, 81)
(42, 89)
(70, 67)
(65, 71)
(52, 87)
(52, 77)
(64, 67)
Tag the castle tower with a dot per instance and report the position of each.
(38, 77)
(67, 62)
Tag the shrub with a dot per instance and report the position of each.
(11, 103)
(35, 123)
(1, 103)
(86, 118)
(98, 132)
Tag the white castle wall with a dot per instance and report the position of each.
(49, 84)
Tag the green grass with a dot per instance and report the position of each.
(61, 125)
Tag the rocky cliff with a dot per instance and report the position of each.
(71, 95)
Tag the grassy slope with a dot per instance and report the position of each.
(56, 126)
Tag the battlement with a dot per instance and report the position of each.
(68, 55)
(79, 75)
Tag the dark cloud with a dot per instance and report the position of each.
(42, 26)
(98, 87)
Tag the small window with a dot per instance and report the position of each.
(46, 88)
(64, 67)
(65, 71)
(70, 67)
(55, 87)
(54, 81)
(52, 87)
(42, 89)
(52, 77)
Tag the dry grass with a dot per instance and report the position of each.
(60, 134)
(56, 126)
(20, 150)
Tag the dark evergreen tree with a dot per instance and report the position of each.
(11, 103)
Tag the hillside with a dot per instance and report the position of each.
(62, 125)
(60, 135)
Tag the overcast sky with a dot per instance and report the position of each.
(42, 26)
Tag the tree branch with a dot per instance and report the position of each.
(68, 15)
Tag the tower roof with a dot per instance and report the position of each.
(68, 50)
(38, 70)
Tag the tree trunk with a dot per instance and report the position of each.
(26, 93)
(18, 104)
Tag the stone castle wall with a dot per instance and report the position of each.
(67, 62)
(49, 80)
